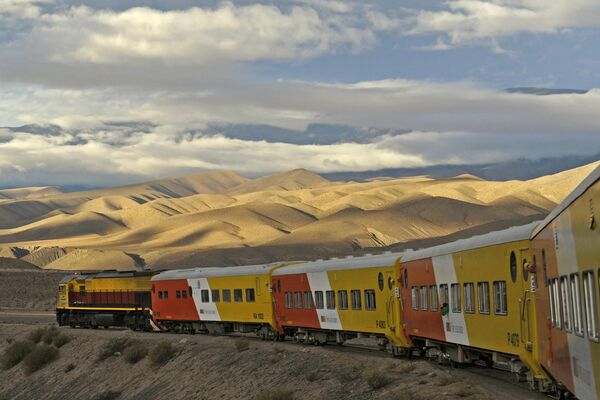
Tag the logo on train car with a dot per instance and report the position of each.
(380, 324)
(258, 316)
(512, 339)
(331, 320)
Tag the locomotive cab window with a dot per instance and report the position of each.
(370, 300)
(319, 300)
(237, 296)
(204, 296)
(215, 294)
(343, 299)
(355, 297)
(414, 297)
(500, 306)
(227, 295)
(250, 296)
(330, 299)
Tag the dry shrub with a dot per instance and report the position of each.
(15, 353)
(446, 380)
(376, 379)
(242, 345)
(36, 335)
(135, 352)
(40, 356)
(60, 340)
(312, 376)
(69, 367)
(50, 334)
(408, 368)
(107, 395)
(276, 394)
(112, 346)
(162, 353)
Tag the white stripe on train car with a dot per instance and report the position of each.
(454, 323)
(207, 311)
(580, 349)
(329, 319)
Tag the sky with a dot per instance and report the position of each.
(107, 92)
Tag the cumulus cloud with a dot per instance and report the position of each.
(468, 21)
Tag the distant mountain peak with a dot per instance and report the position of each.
(539, 91)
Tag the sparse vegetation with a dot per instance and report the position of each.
(60, 340)
(408, 368)
(36, 335)
(276, 394)
(278, 349)
(464, 391)
(162, 353)
(70, 367)
(135, 352)
(346, 375)
(113, 346)
(405, 395)
(41, 355)
(15, 353)
(49, 335)
(242, 345)
(446, 380)
(376, 379)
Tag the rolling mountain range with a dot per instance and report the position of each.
(222, 218)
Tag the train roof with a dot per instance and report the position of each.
(367, 261)
(575, 194)
(512, 234)
(212, 272)
(104, 274)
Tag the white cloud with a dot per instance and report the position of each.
(195, 35)
(469, 21)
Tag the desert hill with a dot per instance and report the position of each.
(220, 218)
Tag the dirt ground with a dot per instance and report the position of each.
(28, 289)
(208, 367)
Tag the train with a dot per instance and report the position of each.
(523, 299)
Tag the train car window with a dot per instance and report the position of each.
(298, 299)
(500, 306)
(380, 281)
(319, 300)
(433, 298)
(308, 300)
(483, 297)
(330, 299)
(567, 306)
(444, 293)
(455, 293)
(343, 299)
(576, 301)
(250, 295)
(288, 300)
(370, 304)
(184, 294)
(469, 297)
(553, 304)
(178, 294)
(589, 301)
(227, 295)
(414, 296)
(237, 296)
(216, 295)
(204, 296)
(153, 288)
(191, 291)
(166, 294)
(279, 285)
(513, 266)
(423, 298)
(355, 298)
(160, 294)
